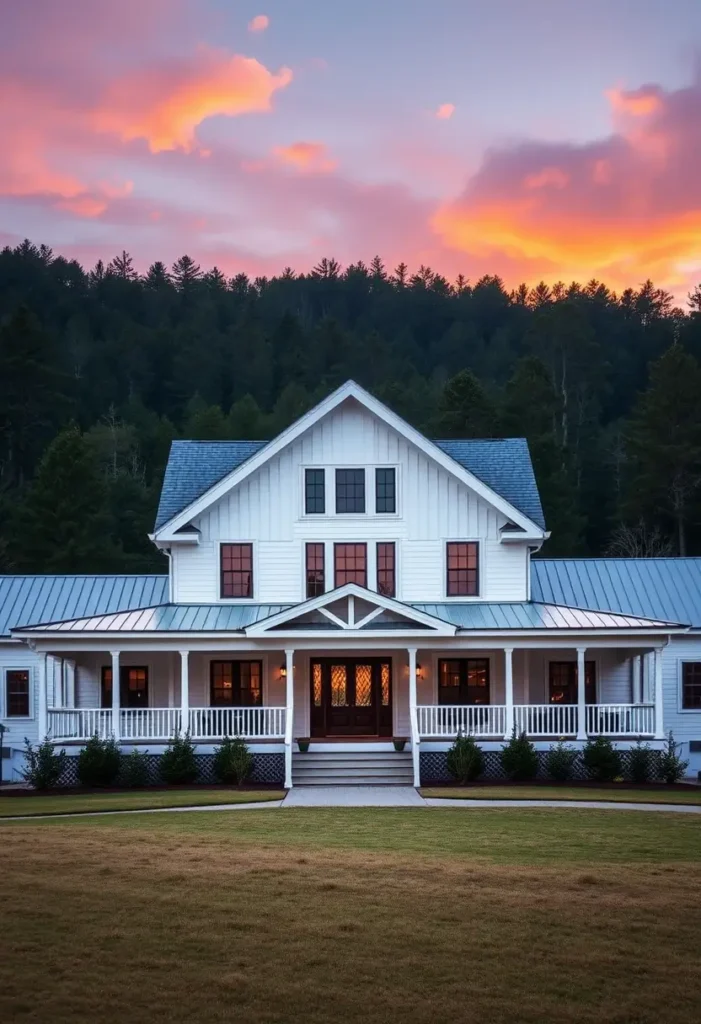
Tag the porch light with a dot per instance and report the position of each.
(419, 671)
(283, 672)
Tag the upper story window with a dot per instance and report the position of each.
(691, 685)
(386, 572)
(350, 490)
(350, 564)
(462, 574)
(236, 683)
(237, 570)
(17, 693)
(314, 570)
(385, 490)
(314, 491)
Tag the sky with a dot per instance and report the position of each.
(535, 139)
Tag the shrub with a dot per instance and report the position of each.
(465, 759)
(135, 769)
(641, 763)
(43, 766)
(233, 762)
(671, 767)
(179, 764)
(519, 758)
(99, 762)
(559, 761)
(601, 760)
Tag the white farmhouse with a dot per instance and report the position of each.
(353, 582)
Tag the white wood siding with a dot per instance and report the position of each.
(432, 508)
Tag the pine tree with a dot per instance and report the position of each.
(157, 276)
(464, 409)
(185, 272)
(123, 267)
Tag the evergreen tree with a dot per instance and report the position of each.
(464, 409)
(185, 272)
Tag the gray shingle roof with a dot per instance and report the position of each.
(664, 588)
(195, 466)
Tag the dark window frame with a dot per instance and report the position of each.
(314, 492)
(691, 668)
(347, 570)
(385, 490)
(569, 669)
(11, 698)
(386, 570)
(125, 691)
(314, 573)
(233, 579)
(466, 691)
(350, 491)
(236, 690)
(462, 580)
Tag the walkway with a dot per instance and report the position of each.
(353, 796)
(591, 805)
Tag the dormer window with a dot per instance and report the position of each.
(350, 490)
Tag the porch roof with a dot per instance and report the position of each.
(475, 617)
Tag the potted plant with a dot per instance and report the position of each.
(399, 743)
(303, 744)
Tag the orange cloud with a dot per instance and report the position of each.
(445, 111)
(259, 23)
(165, 106)
(621, 209)
(306, 156)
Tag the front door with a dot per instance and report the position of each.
(351, 697)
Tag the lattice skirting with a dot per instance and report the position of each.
(434, 766)
(267, 768)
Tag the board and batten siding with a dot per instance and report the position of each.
(267, 509)
(686, 725)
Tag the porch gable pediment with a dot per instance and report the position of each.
(352, 608)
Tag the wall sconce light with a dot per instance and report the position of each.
(283, 672)
(419, 671)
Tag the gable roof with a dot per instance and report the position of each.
(40, 599)
(502, 465)
(659, 588)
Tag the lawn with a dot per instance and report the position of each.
(131, 800)
(359, 915)
(622, 795)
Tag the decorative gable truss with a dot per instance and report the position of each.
(354, 610)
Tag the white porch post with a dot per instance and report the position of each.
(289, 713)
(637, 679)
(413, 718)
(581, 695)
(116, 695)
(184, 691)
(42, 709)
(509, 689)
(659, 701)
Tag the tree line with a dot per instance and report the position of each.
(101, 369)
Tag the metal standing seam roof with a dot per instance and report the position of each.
(39, 599)
(502, 464)
(534, 615)
(664, 588)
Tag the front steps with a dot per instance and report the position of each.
(351, 768)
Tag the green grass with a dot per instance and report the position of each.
(495, 835)
(360, 915)
(12, 806)
(622, 795)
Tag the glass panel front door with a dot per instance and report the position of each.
(351, 697)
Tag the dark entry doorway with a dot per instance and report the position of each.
(351, 696)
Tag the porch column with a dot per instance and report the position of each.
(637, 679)
(509, 689)
(659, 701)
(413, 717)
(581, 695)
(116, 696)
(289, 713)
(42, 708)
(184, 691)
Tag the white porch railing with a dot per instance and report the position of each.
(250, 723)
(148, 723)
(79, 723)
(621, 719)
(450, 719)
(546, 719)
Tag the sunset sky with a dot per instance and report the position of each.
(536, 139)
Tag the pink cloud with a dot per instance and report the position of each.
(259, 23)
(445, 111)
(306, 156)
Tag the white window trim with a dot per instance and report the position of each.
(463, 655)
(253, 599)
(303, 514)
(265, 657)
(31, 684)
(481, 570)
(324, 544)
(330, 513)
(589, 655)
(680, 689)
(397, 581)
(369, 569)
(397, 490)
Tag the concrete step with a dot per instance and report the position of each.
(352, 780)
(320, 764)
(355, 769)
(352, 768)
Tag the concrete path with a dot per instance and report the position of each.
(592, 805)
(259, 805)
(353, 796)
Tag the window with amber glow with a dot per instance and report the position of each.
(236, 683)
(350, 564)
(463, 681)
(386, 575)
(462, 559)
(237, 570)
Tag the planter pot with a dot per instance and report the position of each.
(303, 746)
(399, 743)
